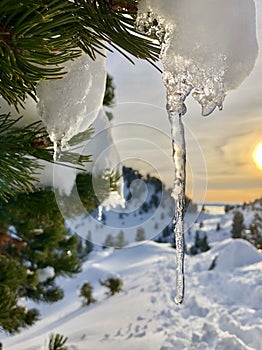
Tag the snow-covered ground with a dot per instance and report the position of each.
(222, 307)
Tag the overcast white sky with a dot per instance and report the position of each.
(226, 138)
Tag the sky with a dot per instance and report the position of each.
(219, 147)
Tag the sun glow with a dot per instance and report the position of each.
(257, 155)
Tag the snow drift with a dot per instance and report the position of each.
(235, 253)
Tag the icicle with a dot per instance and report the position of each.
(176, 94)
(179, 157)
(57, 150)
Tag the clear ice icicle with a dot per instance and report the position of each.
(179, 157)
(176, 109)
(57, 150)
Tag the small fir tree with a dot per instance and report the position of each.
(109, 241)
(200, 244)
(120, 241)
(167, 233)
(238, 225)
(255, 232)
(86, 292)
(228, 207)
(140, 234)
(113, 284)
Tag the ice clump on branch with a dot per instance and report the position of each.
(209, 46)
(69, 105)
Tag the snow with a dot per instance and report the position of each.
(222, 307)
(130, 217)
(236, 253)
(46, 273)
(69, 105)
(210, 46)
(113, 200)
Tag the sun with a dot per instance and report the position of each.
(257, 155)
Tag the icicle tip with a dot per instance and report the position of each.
(178, 299)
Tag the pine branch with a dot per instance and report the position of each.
(37, 37)
(116, 27)
(19, 154)
(32, 42)
(57, 342)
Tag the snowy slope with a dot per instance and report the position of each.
(138, 212)
(222, 308)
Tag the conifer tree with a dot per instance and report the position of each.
(12, 315)
(113, 284)
(140, 234)
(255, 232)
(238, 225)
(120, 241)
(109, 241)
(36, 221)
(200, 244)
(86, 292)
